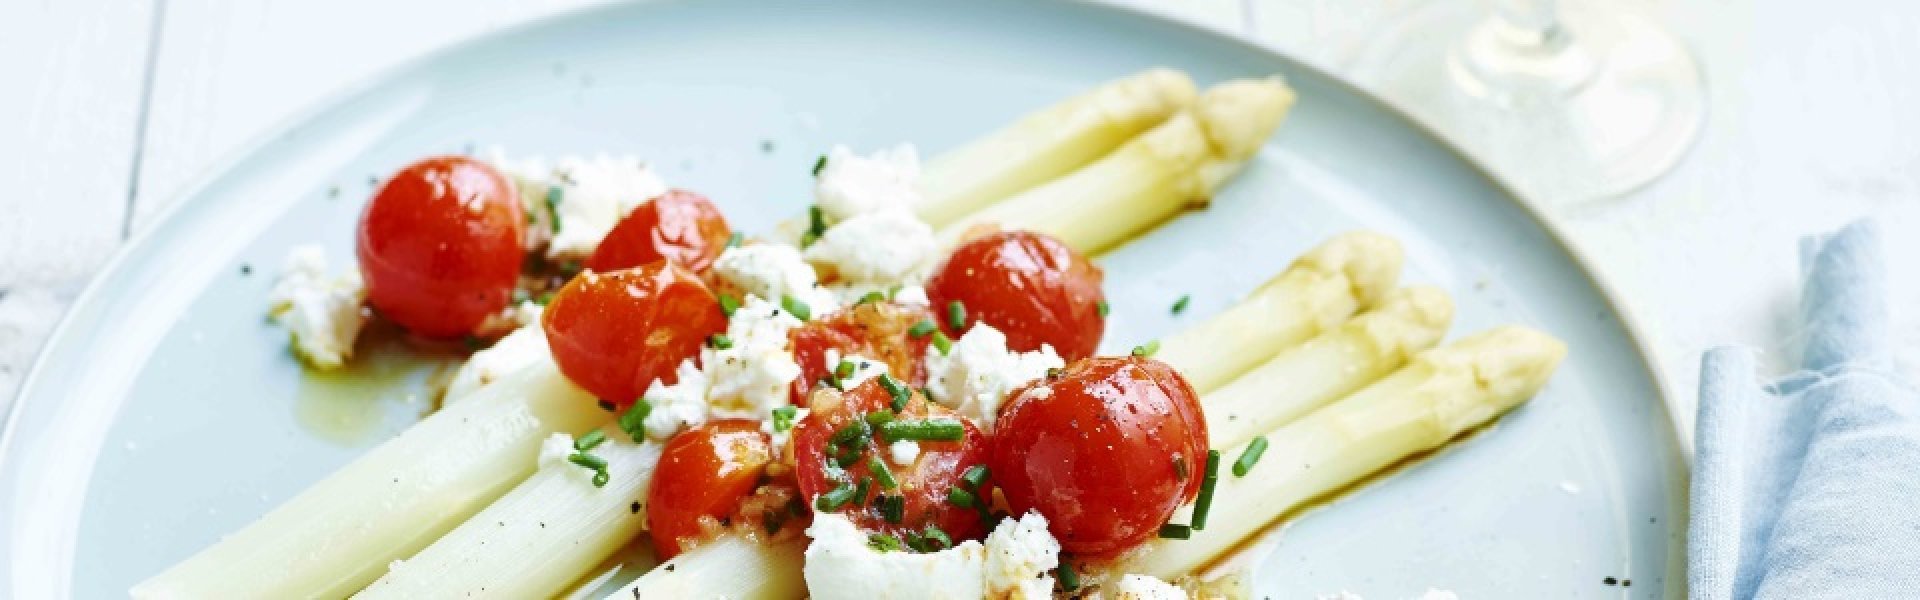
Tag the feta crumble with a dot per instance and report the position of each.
(1145, 587)
(679, 406)
(976, 376)
(774, 271)
(750, 378)
(1019, 554)
(851, 185)
(323, 314)
(890, 247)
(576, 201)
(525, 346)
(903, 452)
(1013, 562)
(555, 449)
(863, 368)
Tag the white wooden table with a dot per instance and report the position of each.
(111, 107)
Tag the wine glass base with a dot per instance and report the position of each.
(1594, 115)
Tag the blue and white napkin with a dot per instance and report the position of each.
(1809, 486)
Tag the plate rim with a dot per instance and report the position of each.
(1629, 322)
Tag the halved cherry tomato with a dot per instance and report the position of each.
(874, 330)
(1030, 286)
(924, 485)
(1106, 450)
(680, 226)
(439, 245)
(703, 472)
(614, 333)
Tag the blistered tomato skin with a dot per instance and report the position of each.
(679, 225)
(875, 330)
(1106, 451)
(439, 246)
(703, 472)
(1030, 286)
(614, 333)
(924, 484)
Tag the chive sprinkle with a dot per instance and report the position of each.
(935, 534)
(591, 440)
(860, 493)
(892, 508)
(844, 370)
(1069, 580)
(819, 164)
(878, 418)
(960, 497)
(783, 418)
(881, 474)
(816, 221)
(851, 432)
(921, 329)
(1147, 349)
(1174, 531)
(957, 315)
(898, 392)
(587, 461)
(1205, 501)
(881, 542)
(799, 309)
(553, 206)
(944, 430)
(1252, 455)
(1104, 309)
(600, 479)
(834, 498)
(871, 297)
(733, 241)
(848, 456)
(975, 476)
(720, 341)
(1180, 306)
(941, 343)
(728, 304)
(634, 421)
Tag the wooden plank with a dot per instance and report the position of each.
(75, 73)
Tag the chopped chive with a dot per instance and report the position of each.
(1252, 455)
(851, 432)
(871, 297)
(844, 370)
(816, 221)
(878, 418)
(819, 164)
(941, 342)
(1069, 580)
(733, 241)
(591, 440)
(881, 542)
(860, 493)
(898, 392)
(553, 206)
(957, 315)
(587, 461)
(600, 479)
(892, 508)
(881, 474)
(934, 534)
(1180, 306)
(1173, 531)
(783, 418)
(799, 309)
(544, 298)
(834, 498)
(1147, 349)
(1055, 373)
(808, 238)
(921, 329)
(975, 476)
(944, 430)
(960, 497)
(1207, 483)
(728, 304)
(1104, 309)
(720, 341)
(848, 456)
(634, 421)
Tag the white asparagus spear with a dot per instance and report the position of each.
(728, 567)
(1178, 164)
(336, 536)
(1049, 143)
(1316, 293)
(1299, 380)
(1444, 392)
(1375, 343)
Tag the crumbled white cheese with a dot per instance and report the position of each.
(525, 346)
(975, 377)
(556, 448)
(1145, 587)
(863, 368)
(1013, 562)
(324, 314)
(586, 196)
(780, 439)
(751, 378)
(849, 293)
(530, 180)
(851, 185)
(774, 271)
(903, 452)
(510, 318)
(888, 248)
(679, 406)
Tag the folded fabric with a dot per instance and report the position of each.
(1810, 487)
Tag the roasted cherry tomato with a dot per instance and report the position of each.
(1106, 450)
(1030, 286)
(704, 472)
(614, 333)
(680, 226)
(874, 330)
(440, 247)
(836, 449)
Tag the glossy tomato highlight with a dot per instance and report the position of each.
(439, 245)
(1028, 285)
(680, 226)
(614, 333)
(1105, 449)
(704, 472)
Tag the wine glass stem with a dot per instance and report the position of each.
(1521, 48)
(1534, 17)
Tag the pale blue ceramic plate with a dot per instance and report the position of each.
(163, 413)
